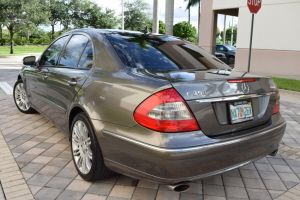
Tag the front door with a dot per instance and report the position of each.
(36, 77)
(66, 78)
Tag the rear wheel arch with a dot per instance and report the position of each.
(75, 111)
(98, 169)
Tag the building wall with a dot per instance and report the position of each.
(276, 41)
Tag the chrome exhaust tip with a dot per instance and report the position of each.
(180, 187)
(274, 153)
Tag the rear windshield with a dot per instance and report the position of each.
(162, 52)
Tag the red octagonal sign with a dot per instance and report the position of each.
(254, 5)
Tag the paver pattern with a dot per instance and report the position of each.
(42, 154)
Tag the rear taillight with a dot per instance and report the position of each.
(277, 105)
(166, 111)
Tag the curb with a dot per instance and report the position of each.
(289, 93)
(22, 56)
(12, 56)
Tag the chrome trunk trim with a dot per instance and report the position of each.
(232, 98)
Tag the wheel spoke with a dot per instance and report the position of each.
(77, 131)
(88, 163)
(75, 140)
(84, 167)
(85, 131)
(76, 152)
(90, 154)
(79, 162)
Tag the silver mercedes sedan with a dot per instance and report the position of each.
(153, 107)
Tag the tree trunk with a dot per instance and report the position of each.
(1, 31)
(11, 42)
(52, 35)
(11, 32)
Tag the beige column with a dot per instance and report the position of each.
(208, 26)
(155, 22)
(169, 16)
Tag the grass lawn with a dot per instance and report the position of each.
(21, 50)
(287, 84)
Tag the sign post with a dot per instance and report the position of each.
(254, 6)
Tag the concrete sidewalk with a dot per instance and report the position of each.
(36, 163)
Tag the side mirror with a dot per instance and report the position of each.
(29, 60)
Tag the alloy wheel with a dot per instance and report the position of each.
(21, 97)
(81, 147)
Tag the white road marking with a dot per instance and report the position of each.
(6, 88)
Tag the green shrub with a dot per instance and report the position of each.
(34, 41)
(21, 41)
(4, 41)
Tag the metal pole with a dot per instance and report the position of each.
(250, 48)
(122, 14)
(231, 43)
(224, 30)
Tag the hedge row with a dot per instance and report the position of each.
(24, 41)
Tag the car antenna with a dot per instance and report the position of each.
(244, 74)
(145, 31)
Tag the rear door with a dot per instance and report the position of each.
(66, 79)
(36, 77)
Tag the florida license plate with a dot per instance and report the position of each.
(240, 111)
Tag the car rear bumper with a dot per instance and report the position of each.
(172, 165)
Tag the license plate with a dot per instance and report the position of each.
(240, 111)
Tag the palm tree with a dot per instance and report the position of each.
(192, 3)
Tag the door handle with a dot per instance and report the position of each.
(72, 83)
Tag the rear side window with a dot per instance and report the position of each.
(51, 55)
(71, 54)
(161, 52)
(86, 60)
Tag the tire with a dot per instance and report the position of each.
(231, 60)
(86, 152)
(21, 99)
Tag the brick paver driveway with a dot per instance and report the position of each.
(42, 154)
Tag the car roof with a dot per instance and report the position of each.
(93, 31)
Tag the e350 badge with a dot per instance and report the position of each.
(196, 93)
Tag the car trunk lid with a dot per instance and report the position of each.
(227, 105)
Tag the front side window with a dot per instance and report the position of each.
(51, 55)
(86, 60)
(222, 48)
(72, 52)
(161, 52)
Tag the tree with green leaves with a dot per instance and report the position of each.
(59, 12)
(19, 14)
(228, 34)
(92, 15)
(161, 26)
(193, 3)
(136, 15)
(185, 30)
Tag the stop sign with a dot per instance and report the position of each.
(254, 5)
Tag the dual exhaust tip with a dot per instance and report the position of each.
(184, 186)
